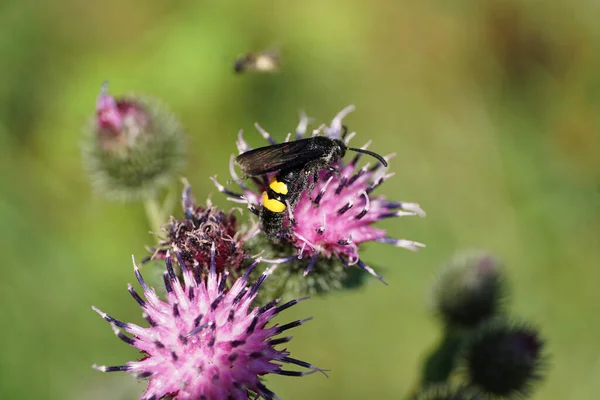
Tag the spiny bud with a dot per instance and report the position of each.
(132, 147)
(504, 359)
(469, 289)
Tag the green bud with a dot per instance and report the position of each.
(133, 146)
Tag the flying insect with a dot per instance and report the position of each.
(295, 161)
(263, 61)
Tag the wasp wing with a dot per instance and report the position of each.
(286, 155)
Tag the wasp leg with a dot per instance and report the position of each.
(254, 210)
(226, 191)
(312, 186)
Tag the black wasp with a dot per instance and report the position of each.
(296, 161)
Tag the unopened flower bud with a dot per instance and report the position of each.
(132, 147)
(469, 289)
(504, 359)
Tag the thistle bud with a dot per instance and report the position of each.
(132, 147)
(504, 359)
(469, 289)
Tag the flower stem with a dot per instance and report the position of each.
(170, 201)
(440, 363)
(155, 214)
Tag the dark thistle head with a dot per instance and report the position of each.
(202, 227)
(504, 359)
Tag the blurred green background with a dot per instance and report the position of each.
(491, 106)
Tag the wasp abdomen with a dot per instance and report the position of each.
(278, 186)
(273, 204)
(274, 198)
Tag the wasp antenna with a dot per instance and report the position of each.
(345, 131)
(371, 153)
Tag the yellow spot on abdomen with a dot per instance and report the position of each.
(273, 205)
(278, 187)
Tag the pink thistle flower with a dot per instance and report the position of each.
(338, 216)
(115, 115)
(204, 341)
